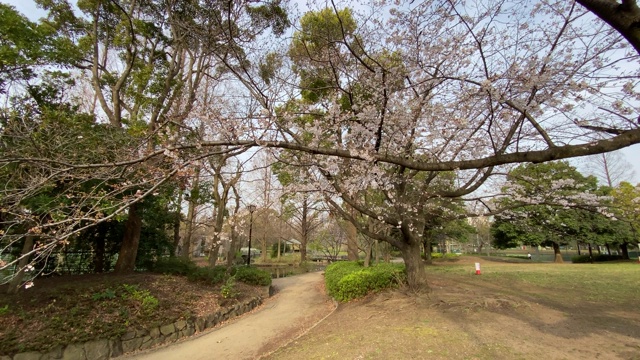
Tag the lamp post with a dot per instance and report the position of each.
(252, 208)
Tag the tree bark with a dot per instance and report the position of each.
(427, 250)
(352, 242)
(304, 227)
(624, 249)
(278, 249)
(233, 247)
(16, 282)
(556, 253)
(176, 224)
(367, 254)
(187, 245)
(129, 249)
(623, 17)
(416, 273)
(213, 252)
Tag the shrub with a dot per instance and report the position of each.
(149, 302)
(436, 255)
(350, 280)
(228, 290)
(336, 271)
(581, 259)
(174, 266)
(106, 294)
(213, 276)
(253, 276)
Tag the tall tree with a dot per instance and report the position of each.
(401, 101)
(546, 204)
(626, 207)
(610, 168)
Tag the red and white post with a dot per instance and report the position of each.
(477, 268)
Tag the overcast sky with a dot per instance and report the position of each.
(631, 154)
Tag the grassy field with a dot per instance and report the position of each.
(510, 311)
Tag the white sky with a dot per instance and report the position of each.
(631, 154)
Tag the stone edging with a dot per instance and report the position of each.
(103, 349)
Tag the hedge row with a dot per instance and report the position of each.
(347, 280)
(445, 256)
(213, 276)
(581, 259)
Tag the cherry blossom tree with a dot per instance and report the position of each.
(392, 107)
(392, 104)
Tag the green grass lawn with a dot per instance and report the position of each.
(511, 311)
(617, 282)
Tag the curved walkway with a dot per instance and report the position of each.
(299, 303)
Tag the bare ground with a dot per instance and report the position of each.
(77, 308)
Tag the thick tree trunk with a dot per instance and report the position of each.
(186, 242)
(176, 224)
(304, 230)
(416, 273)
(213, 252)
(233, 247)
(187, 245)
(16, 282)
(99, 250)
(426, 245)
(278, 249)
(556, 253)
(387, 252)
(129, 249)
(352, 242)
(367, 254)
(624, 249)
(578, 245)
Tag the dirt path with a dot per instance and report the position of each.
(300, 302)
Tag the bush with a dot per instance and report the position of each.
(173, 266)
(581, 259)
(350, 280)
(212, 276)
(336, 271)
(228, 290)
(148, 302)
(253, 276)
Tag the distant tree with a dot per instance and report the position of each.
(626, 207)
(610, 168)
(547, 205)
(330, 238)
(482, 235)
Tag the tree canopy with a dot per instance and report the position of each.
(396, 113)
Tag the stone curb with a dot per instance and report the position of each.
(142, 339)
